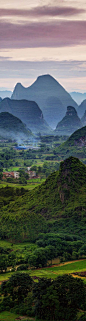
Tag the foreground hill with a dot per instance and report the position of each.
(51, 97)
(29, 113)
(69, 123)
(58, 204)
(12, 127)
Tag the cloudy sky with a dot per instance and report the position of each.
(43, 37)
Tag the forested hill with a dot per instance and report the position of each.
(12, 127)
(56, 202)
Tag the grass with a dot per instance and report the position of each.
(5, 276)
(17, 246)
(66, 268)
(30, 184)
(8, 316)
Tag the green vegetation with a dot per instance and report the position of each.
(8, 316)
(42, 224)
(11, 126)
(56, 209)
(59, 299)
(74, 146)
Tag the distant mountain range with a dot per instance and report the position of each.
(82, 108)
(83, 119)
(50, 96)
(5, 93)
(29, 113)
(12, 127)
(69, 123)
(78, 97)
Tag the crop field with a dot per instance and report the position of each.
(30, 183)
(52, 272)
(65, 268)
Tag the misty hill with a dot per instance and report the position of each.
(83, 119)
(69, 123)
(12, 127)
(5, 93)
(82, 108)
(59, 202)
(29, 113)
(50, 96)
(78, 97)
(0, 99)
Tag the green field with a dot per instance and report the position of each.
(8, 316)
(52, 272)
(30, 183)
(65, 268)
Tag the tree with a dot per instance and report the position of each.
(38, 258)
(59, 299)
(18, 287)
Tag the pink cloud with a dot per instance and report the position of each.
(30, 35)
(41, 11)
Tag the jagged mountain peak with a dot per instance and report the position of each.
(44, 90)
(71, 111)
(19, 85)
(69, 123)
(46, 77)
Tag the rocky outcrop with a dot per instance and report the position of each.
(69, 123)
(72, 175)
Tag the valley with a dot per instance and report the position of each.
(42, 204)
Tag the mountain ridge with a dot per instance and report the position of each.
(82, 108)
(29, 113)
(44, 89)
(12, 127)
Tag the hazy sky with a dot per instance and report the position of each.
(39, 37)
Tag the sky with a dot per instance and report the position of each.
(43, 37)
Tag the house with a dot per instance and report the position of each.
(10, 174)
(32, 174)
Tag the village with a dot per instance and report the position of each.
(16, 174)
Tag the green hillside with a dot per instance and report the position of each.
(58, 205)
(74, 146)
(12, 127)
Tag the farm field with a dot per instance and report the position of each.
(53, 271)
(30, 184)
(64, 268)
